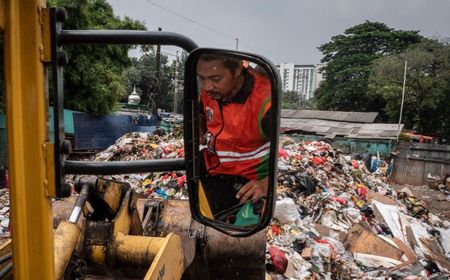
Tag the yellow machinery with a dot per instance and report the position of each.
(119, 234)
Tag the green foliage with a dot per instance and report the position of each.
(93, 77)
(427, 92)
(294, 101)
(290, 100)
(142, 74)
(348, 59)
(404, 137)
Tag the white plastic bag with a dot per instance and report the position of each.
(286, 211)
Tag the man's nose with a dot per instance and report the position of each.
(208, 85)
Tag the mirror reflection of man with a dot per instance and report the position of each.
(235, 105)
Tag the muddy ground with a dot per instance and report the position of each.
(437, 201)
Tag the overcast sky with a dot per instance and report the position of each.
(283, 30)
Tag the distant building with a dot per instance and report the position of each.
(303, 79)
(319, 74)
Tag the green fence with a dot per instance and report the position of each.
(352, 145)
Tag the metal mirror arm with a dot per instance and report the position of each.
(59, 59)
(125, 37)
(123, 167)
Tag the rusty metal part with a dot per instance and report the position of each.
(111, 192)
(106, 195)
(76, 269)
(209, 253)
(122, 221)
(168, 263)
(152, 211)
(5, 249)
(107, 243)
(204, 252)
(65, 240)
(135, 250)
(175, 217)
(234, 258)
(97, 254)
(97, 236)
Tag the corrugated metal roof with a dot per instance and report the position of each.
(358, 117)
(332, 129)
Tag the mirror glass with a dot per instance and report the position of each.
(235, 123)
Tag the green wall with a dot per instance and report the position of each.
(353, 145)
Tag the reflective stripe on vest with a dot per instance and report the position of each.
(235, 156)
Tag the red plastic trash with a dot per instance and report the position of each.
(279, 260)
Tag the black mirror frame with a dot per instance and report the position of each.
(191, 137)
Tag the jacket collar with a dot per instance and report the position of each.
(245, 91)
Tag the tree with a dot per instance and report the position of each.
(290, 100)
(142, 74)
(93, 78)
(177, 83)
(348, 59)
(427, 94)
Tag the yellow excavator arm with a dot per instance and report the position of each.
(30, 160)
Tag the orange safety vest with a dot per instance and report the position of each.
(238, 145)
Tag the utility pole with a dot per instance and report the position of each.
(157, 74)
(237, 43)
(158, 59)
(175, 87)
(403, 99)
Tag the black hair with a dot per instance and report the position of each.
(231, 63)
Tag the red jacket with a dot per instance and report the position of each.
(238, 145)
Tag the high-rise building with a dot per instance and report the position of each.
(303, 79)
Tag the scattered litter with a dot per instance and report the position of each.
(353, 225)
(336, 217)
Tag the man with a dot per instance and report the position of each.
(234, 106)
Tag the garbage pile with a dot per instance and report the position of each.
(4, 212)
(435, 182)
(334, 219)
(149, 146)
(335, 216)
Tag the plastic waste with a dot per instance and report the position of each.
(286, 211)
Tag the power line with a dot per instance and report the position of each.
(199, 24)
(190, 20)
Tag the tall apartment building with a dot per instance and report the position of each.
(303, 79)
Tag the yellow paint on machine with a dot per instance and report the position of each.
(204, 204)
(137, 250)
(66, 238)
(26, 123)
(169, 262)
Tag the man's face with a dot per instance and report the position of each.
(217, 80)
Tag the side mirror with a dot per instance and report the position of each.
(231, 115)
